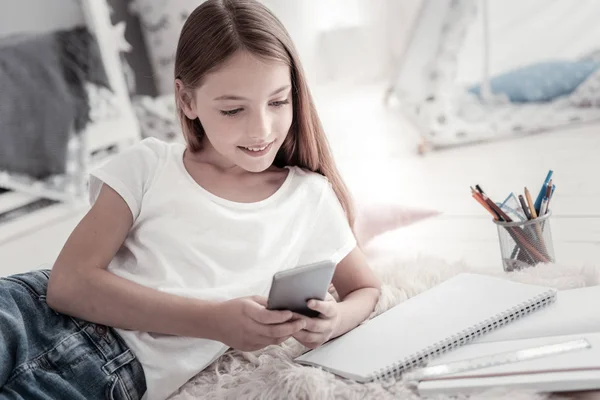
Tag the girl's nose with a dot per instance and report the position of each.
(260, 126)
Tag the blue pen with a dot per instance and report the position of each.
(538, 201)
(551, 194)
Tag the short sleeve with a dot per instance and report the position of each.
(331, 237)
(129, 173)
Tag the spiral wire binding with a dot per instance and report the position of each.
(395, 370)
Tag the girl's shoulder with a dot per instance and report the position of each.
(308, 177)
(151, 154)
(153, 146)
(312, 182)
(133, 170)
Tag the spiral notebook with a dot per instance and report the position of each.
(427, 325)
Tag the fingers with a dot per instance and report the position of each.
(277, 331)
(262, 335)
(309, 339)
(326, 308)
(260, 300)
(260, 342)
(266, 341)
(296, 316)
(260, 314)
(316, 325)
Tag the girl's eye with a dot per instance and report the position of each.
(279, 103)
(231, 113)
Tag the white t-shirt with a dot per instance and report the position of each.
(190, 242)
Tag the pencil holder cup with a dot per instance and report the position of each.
(526, 243)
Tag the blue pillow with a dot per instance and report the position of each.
(541, 82)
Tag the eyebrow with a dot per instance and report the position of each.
(234, 97)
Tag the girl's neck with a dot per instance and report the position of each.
(208, 155)
(230, 182)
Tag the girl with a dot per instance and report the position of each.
(170, 266)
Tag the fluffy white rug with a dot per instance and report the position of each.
(271, 373)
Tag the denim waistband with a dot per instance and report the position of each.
(108, 343)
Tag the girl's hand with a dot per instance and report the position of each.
(245, 324)
(320, 329)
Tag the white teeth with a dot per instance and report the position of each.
(256, 148)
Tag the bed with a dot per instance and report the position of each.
(81, 113)
(481, 70)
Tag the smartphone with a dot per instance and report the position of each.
(293, 288)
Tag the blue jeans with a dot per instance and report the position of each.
(48, 355)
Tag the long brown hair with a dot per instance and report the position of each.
(214, 32)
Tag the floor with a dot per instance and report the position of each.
(376, 152)
(380, 161)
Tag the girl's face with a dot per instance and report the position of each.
(245, 107)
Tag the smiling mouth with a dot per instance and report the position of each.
(256, 150)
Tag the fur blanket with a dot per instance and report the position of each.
(272, 374)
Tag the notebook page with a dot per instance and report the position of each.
(572, 313)
(453, 306)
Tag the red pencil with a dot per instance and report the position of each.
(497, 209)
(516, 232)
(480, 200)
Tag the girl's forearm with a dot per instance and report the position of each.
(355, 308)
(99, 296)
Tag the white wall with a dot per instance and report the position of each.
(365, 52)
(398, 22)
(528, 32)
(38, 15)
(369, 51)
(298, 17)
(361, 52)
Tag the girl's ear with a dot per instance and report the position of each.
(185, 99)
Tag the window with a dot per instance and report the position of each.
(336, 14)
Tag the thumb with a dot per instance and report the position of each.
(260, 300)
(329, 297)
